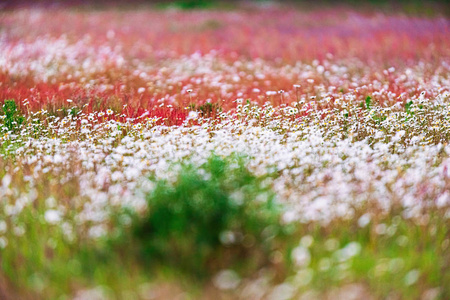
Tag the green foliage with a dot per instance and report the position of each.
(382, 260)
(194, 4)
(205, 220)
(209, 109)
(206, 110)
(12, 118)
(408, 107)
(379, 119)
(74, 111)
(189, 4)
(368, 102)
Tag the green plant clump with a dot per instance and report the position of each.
(194, 4)
(210, 218)
(208, 109)
(368, 102)
(12, 117)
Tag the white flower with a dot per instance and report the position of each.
(350, 250)
(3, 226)
(192, 115)
(412, 277)
(141, 90)
(52, 216)
(6, 180)
(117, 175)
(282, 291)
(227, 280)
(3, 242)
(364, 220)
(306, 241)
(301, 256)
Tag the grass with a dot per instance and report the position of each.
(220, 217)
(393, 256)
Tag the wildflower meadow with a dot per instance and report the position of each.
(251, 151)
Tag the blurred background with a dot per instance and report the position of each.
(414, 6)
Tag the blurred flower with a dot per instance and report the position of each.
(52, 216)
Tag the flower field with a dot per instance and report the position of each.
(263, 152)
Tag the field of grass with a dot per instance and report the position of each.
(258, 152)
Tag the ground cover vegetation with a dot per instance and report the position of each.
(263, 152)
